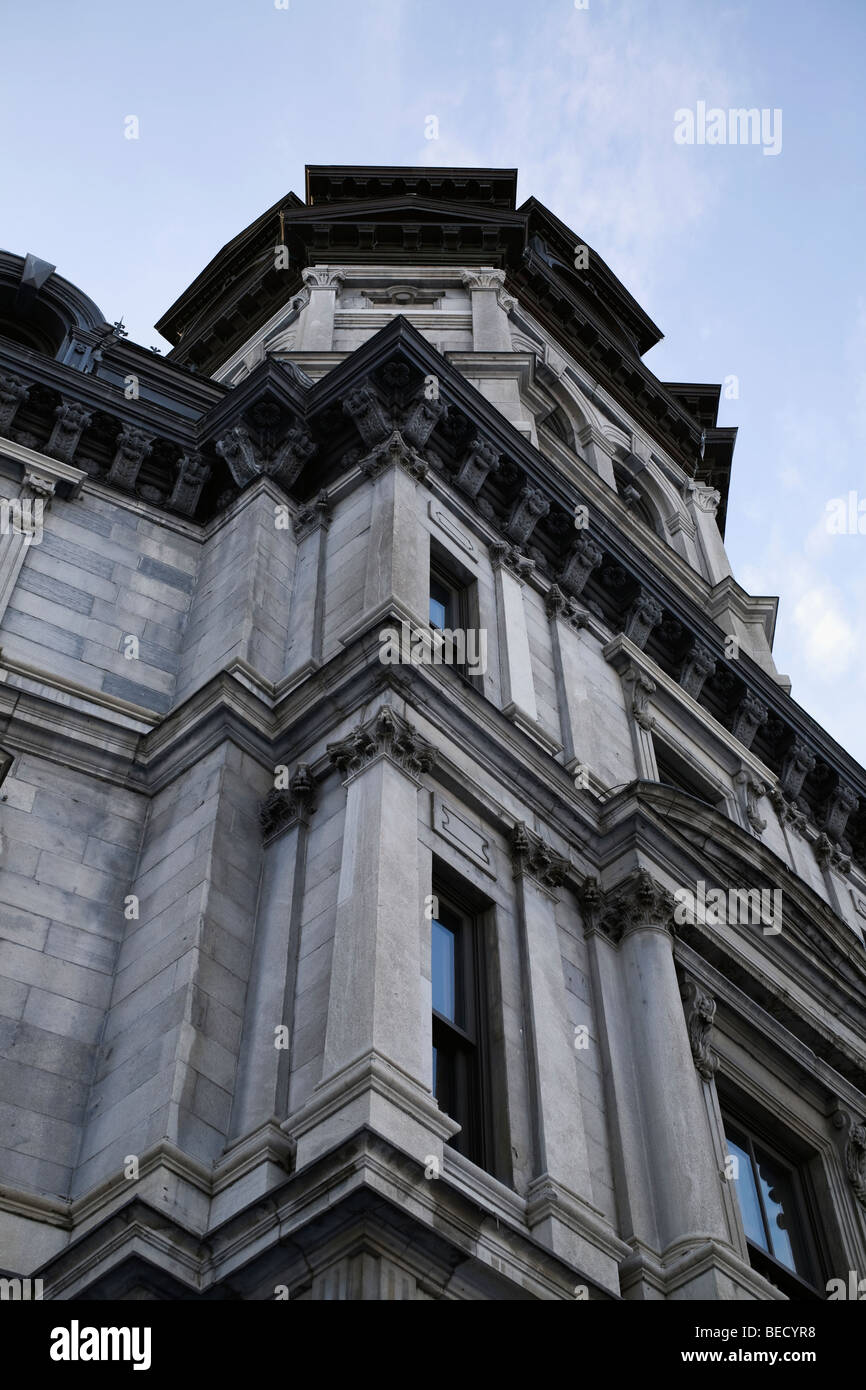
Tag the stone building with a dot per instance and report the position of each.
(344, 959)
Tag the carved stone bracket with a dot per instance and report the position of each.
(698, 665)
(283, 807)
(751, 790)
(192, 474)
(797, 763)
(641, 687)
(853, 1135)
(706, 499)
(584, 557)
(71, 420)
(290, 456)
(750, 715)
(840, 806)
(481, 459)
(14, 391)
(132, 448)
(420, 420)
(372, 421)
(529, 508)
(386, 734)
(240, 453)
(645, 614)
(531, 855)
(700, 1011)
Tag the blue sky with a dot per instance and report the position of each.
(752, 265)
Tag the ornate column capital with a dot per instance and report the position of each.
(639, 903)
(503, 555)
(531, 855)
(311, 517)
(706, 499)
(385, 735)
(700, 1011)
(394, 451)
(483, 278)
(284, 807)
(322, 277)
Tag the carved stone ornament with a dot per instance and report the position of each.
(420, 420)
(240, 454)
(530, 855)
(480, 460)
(700, 1011)
(369, 416)
(385, 734)
(751, 790)
(131, 449)
(312, 516)
(394, 450)
(698, 665)
(797, 763)
(751, 714)
(640, 686)
(13, 392)
(645, 614)
(636, 904)
(71, 420)
(830, 855)
(283, 807)
(501, 553)
(192, 474)
(854, 1151)
(559, 605)
(584, 557)
(789, 812)
(529, 508)
(322, 277)
(706, 499)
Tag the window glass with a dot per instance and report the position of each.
(778, 1195)
(747, 1194)
(444, 977)
(440, 604)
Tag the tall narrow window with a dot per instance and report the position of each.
(774, 1210)
(457, 1026)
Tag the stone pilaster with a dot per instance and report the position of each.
(23, 518)
(316, 326)
(264, 1063)
(306, 621)
(377, 1068)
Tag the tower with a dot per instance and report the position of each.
(418, 881)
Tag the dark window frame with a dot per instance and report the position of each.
(463, 1043)
(805, 1233)
(462, 587)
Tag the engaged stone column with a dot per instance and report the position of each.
(265, 1058)
(316, 325)
(667, 1160)
(376, 1066)
(559, 1200)
(21, 515)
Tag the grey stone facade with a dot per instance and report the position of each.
(224, 817)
